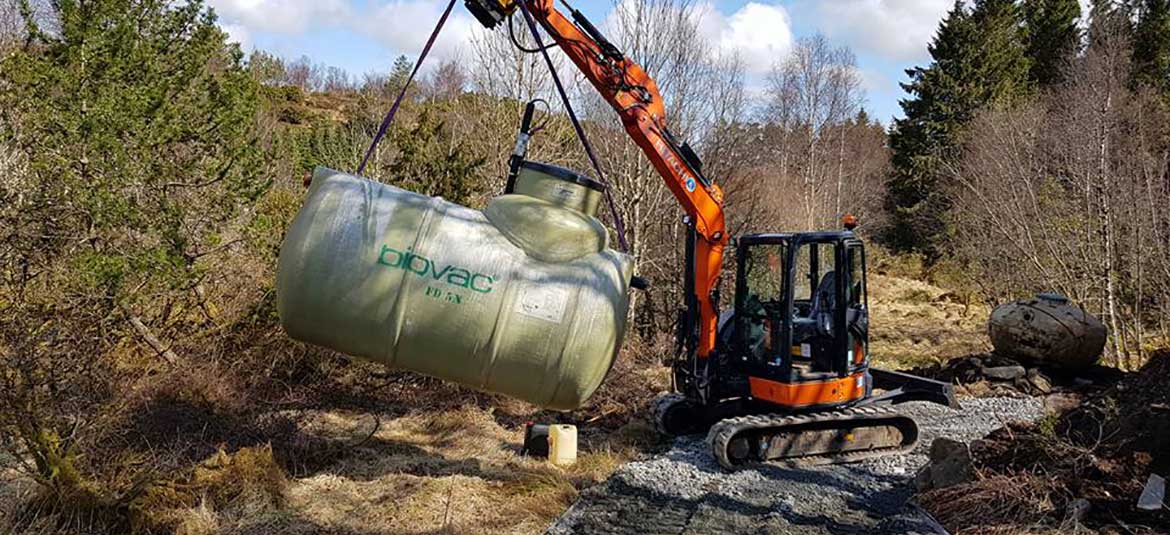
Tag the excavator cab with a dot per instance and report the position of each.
(801, 324)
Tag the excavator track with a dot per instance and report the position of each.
(840, 436)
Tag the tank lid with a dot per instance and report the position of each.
(564, 174)
(1052, 297)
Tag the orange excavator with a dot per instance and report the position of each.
(784, 376)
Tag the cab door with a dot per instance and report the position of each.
(856, 307)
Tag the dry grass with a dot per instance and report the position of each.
(992, 504)
(453, 472)
(223, 488)
(913, 323)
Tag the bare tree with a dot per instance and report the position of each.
(812, 95)
(335, 79)
(505, 79)
(703, 92)
(1065, 193)
(448, 81)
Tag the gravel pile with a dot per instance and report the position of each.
(686, 492)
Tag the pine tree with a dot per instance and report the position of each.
(138, 122)
(1151, 46)
(399, 73)
(1052, 36)
(1002, 64)
(928, 134)
(979, 59)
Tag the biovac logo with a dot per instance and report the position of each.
(426, 268)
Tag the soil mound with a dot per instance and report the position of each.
(1080, 470)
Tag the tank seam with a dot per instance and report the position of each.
(496, 337)
(574, 333)
(433, 205)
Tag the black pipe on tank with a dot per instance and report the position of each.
(521, 147)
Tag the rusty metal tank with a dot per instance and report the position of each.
(1047, 329)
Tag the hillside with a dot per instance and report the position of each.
(914, 322)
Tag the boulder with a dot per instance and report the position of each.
(950, 464)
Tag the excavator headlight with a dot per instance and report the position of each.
(490, 12)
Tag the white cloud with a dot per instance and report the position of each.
(898, 30)
(405, 25)
(761, 34)
(875, 81)
(238, 33)
(401, 25)
(281, 16)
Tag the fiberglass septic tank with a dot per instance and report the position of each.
(523, 299)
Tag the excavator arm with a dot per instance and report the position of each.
(634, 95)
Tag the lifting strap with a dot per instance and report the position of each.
(618, 224)
(402, 94)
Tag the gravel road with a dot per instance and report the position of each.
(684, 491)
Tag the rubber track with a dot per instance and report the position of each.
(724, 431)
(662, 404)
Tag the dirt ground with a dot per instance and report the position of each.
(1077, 471)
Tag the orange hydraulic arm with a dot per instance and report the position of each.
(634, 96)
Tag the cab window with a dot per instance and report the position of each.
(765, 272)
(856, 291)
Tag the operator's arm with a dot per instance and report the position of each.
(634, 96)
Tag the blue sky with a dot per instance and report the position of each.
(361, 36)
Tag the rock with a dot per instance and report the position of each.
(1061, 403)
(1039, 381)
(1004, 373)
(950, 464)
(977, 389)
(684, 490)
(1077, 509)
